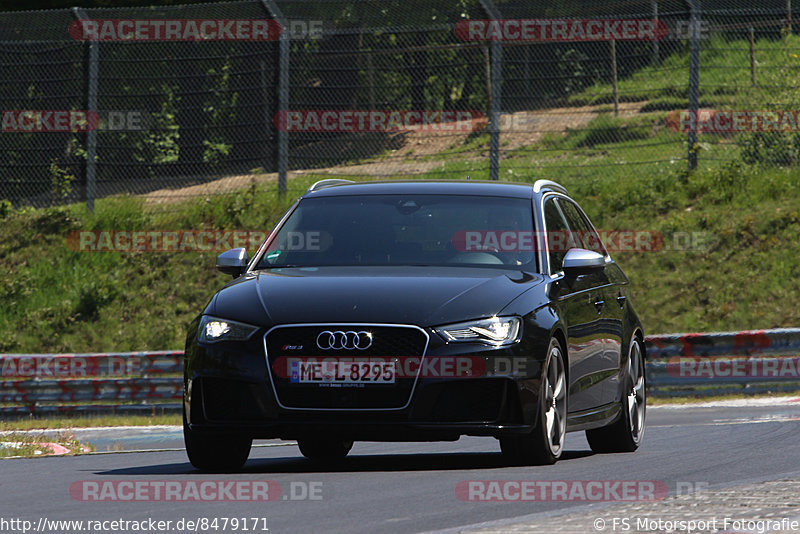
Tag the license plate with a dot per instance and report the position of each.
(333, 372)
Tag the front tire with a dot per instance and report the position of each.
(626, 433)
(545, 444)
(214, 453)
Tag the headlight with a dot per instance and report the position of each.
(212, 330)
(494, 331)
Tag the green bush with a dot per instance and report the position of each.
(5, 208)
(604, 129)
(778, 149)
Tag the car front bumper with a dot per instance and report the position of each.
(229, 389)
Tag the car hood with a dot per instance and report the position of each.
(424, 296)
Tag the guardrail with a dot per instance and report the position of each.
(758, 361)
(130, 382)
(151, 382)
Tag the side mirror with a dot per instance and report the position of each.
(233, 262)
(580, 261)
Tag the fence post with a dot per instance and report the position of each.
(495, 107)
(487, 67)
(614, 81)
(752, 35)
(283, 92)
(266, 97)
(694, 78)
(371, 80)
(527, 67)
(91, 108)
(789, 15)
(656, 47)
(495, 111)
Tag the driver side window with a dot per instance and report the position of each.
(586, 237)
(557, 235)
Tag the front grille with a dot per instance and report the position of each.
(300, 341)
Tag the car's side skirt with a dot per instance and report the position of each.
(593, 418)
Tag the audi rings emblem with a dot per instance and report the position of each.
(349, 340)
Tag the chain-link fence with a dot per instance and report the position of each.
(158, 113)
(202, 99)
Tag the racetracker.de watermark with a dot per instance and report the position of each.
(346, 369)
(779, 368)
(561, 30)
(377, 121)
(30, 120)
(561, 490)
(563, 240)
(171, 240)
(193, 30)
(194, 491)
(67, 366)
(732, 122)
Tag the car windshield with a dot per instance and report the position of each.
(397, 230)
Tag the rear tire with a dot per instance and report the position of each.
(325, 450)
(545, 444)
(626, 433)
(214, 453)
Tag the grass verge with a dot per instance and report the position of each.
(56, 423)
(26, 445)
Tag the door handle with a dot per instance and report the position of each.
(598, 304)
(621, 301)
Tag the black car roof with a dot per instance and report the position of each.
(419, 187)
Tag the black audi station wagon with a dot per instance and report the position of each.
(418, 311)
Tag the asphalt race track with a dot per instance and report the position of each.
(397, 487)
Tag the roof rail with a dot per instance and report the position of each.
(330, 182)
(548, 184)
